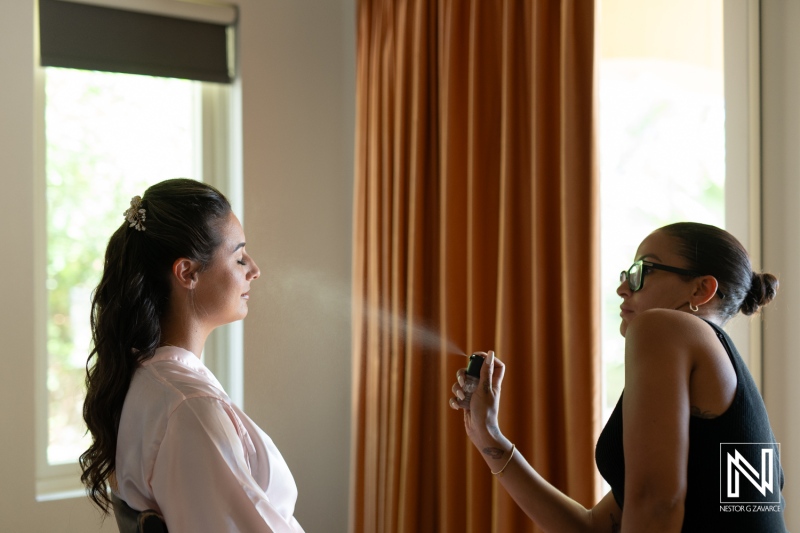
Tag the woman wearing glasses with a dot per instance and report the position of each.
(687, 396)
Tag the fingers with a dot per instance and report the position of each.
(498, 371)
(457, 402)
(457, 391)
(492, 372)
(487, 370)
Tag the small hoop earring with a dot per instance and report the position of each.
(695, 308)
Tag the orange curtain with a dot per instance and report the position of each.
(475, 228)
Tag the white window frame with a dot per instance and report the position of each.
(218, 132)
(743, 156)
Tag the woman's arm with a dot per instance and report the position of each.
(544, 504)
(202, 480)
(656, 411)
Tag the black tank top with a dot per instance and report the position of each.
(707, 508)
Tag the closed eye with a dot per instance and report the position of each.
(241, 262)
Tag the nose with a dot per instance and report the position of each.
(255, 272)
(623, 289)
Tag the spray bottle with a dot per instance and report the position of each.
(473, 376)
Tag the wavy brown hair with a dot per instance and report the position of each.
(183, 219)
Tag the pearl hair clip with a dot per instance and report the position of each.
(136, 214)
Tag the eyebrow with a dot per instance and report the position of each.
(240, 245)
(652, 256)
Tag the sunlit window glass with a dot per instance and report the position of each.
(661, 137)
(109, 136)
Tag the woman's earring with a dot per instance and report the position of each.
(694, 308)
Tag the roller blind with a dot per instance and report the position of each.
(93, 37)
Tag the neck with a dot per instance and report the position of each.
(711, 316)
(183, 331)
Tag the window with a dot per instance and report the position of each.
(108, 137)
(103, 138)
(661, 138)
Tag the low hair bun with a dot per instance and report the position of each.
(762, 290)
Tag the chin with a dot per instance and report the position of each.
(623, 327)
(235, 317)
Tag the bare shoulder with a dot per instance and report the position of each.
(669, 337)
(670, 327)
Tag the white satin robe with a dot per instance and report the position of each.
(185, 450)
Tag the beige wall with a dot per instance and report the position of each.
(18, 508)
(297, 88)
(780, 146)
(298, 97)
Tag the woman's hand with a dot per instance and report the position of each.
(480, 414)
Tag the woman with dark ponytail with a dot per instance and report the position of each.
(694, 418)
(165, 435)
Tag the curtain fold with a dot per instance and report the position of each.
(475, 228)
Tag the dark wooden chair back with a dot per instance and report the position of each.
(133, 521)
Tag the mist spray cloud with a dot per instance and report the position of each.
(333, 297)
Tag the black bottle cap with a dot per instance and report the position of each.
(474, 365)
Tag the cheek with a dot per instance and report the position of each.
(233, 284)
(222, 289)
(664, 298)
(226, 286)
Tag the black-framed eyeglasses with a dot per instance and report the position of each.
(635, 274)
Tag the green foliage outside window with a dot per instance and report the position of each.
(662, 160)
(108, 137)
